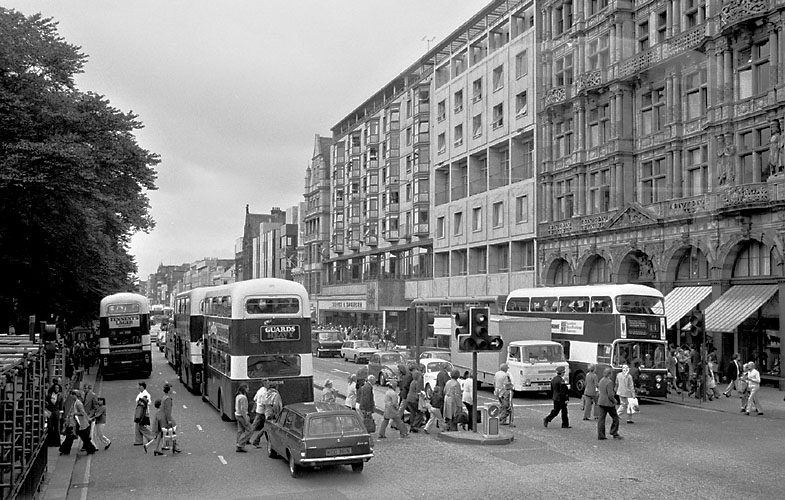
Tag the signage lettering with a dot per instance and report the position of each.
(123, 322)
(279, 332)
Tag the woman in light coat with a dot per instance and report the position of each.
(392, 411)
(351, 392)
(625, 389)
(453, 396)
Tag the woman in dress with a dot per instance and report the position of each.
(452, 400)
(351, 392)
(625, 389)
(328, 393)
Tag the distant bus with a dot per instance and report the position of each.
(254, 330)
(186, 338)
(605, 325)
(124, 335)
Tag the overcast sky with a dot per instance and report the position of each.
(232, 92)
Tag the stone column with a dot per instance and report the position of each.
(613, 187)
(581, 201)
(774, 56)
(622, 196)
(676, 16)
(547, 203)
(677, 174)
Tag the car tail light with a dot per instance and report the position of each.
(302, 448)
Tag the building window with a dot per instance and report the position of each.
(441, 110)
(522, 255)
(498, 214)
(599, 127)
(653, 180)
(697, 171)
(697, 94)
(477, 90)
(457, 223)
(597, 5)
(662, 26)
(755, 260)
(563, 139)
(563, 69)
(440, 227)
(458, 101)
(408, 136)
(653, 111)
(521, 104)
(694, 11)
(643, 36)
(477, 126)
(753, 65)
(458, 134)
(476, 218)
(521, 64)
(498, 78)
(441, 143)
(521, 209)
(564, 199)
(599, 52)
(753, 148)
(498, 115)
(599, 191)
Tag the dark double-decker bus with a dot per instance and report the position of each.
(186, 337)
(604, 325)
(254, 330)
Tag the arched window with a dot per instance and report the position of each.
(753, 260)
(598, 271)
(562, 273)
(692, 265)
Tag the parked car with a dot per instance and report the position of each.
(436, 354)
(326, 343)
(358, 351)
(431, 368)
(310, 435)
(384, 365)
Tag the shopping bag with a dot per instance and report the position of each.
(370, 423)
(170, 438)
(632, 405)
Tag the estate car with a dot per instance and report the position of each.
(358, 351)
(310, 435)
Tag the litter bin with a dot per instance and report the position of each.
(490, 419)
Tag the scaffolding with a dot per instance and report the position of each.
(23, 456)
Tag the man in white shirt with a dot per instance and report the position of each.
(258, 421)
(143, 392)
(500, 378)
(753, 382)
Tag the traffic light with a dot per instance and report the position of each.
(49, 337)
(425, 321)
(478, 327)
(406, 335)
(697, 323)
(465, 342)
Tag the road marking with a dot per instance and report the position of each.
(221, 458)
(185, 407)
(199, 427)
(340, 371)
(83, 493)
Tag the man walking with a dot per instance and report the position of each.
(500, 380)
(559, 391)
(753, 381)
(258, 421)
(590, 393)
(168, 420)
(733, 373)
(607, 404)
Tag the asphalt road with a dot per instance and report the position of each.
(671, 451)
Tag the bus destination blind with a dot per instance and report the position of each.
(129, 321)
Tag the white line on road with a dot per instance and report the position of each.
(221, 458)
(339, 371)
(185, 407)
(86, 480)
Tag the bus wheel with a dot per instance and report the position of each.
(580, 383)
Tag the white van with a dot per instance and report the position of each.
(532, 364)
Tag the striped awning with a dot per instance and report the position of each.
(681, 300)
(736, 305)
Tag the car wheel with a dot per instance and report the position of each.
(344, 358)
(358, 467)
(270, 451)
(294, 469)
(318, 354)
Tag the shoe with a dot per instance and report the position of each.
(91, 452)
(587, 419)
(425, 431)
(178, 450)
(566, 427)
(107, 446)
(414, 431)
(257, 446)
(748, 413)
(145, 447)
(545, 422)
(726, 394)
(630, 422)
(602, 438)
(65, 453)
(382, 437)
(164, 448)
(138, 444)
(617, 437)
(743, 410)
(241, 450)
(760, 413)
(157, 453)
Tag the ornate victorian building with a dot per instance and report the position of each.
(660, 155)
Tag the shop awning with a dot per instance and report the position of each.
(682, 300)
(736, 305)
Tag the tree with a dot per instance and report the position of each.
(73, 180)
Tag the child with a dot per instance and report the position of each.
(100, 422)
(506, 401)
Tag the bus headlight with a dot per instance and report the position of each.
(527, 383)
(658, 378)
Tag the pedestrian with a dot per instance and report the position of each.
(159, 424)
(625, 388)
(453, 399)
(83, 423)
(54, 405)
(272, 403)
(744, 387)
(367, 403)
(505, 400)
(404, 381)
(143, 392)
(672, 363)
(733, 373)
(753, 383)
(351, 392)
(90, 405)
(607, 404)
(467, 397)
(259, 420)
(442, 377)
(241, 415)
(413, 397)
(500, 379)
(590, 396)
(436, 405)
(392, 411)
(560, 398)
(328, 392)
(711, 381)
(169, 422)
(100, 422)
(143, 434)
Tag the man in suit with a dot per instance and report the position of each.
(734, 372)
(607, 404)
(90, 406)
(559, 391)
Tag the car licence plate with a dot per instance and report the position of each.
(332, 452)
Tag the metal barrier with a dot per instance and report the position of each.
(23, 456)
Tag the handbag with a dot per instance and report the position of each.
(632, 405)
(741, 385)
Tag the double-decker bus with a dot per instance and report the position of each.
(124, 335)
(185, 338)
(254, 330)
(605, 325)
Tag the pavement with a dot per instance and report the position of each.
(58, 480)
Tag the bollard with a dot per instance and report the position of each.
(490, 419)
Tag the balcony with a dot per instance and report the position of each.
(391, 235)
(737, 11)
(372, 139)
(422, 230)
(354, 244)
(371, 240)
(683, 42)
(421, 198)
(589, 80)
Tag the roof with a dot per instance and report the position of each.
(681, 300)
(736, 305)
(319, 407)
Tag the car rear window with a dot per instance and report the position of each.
(329, 425)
